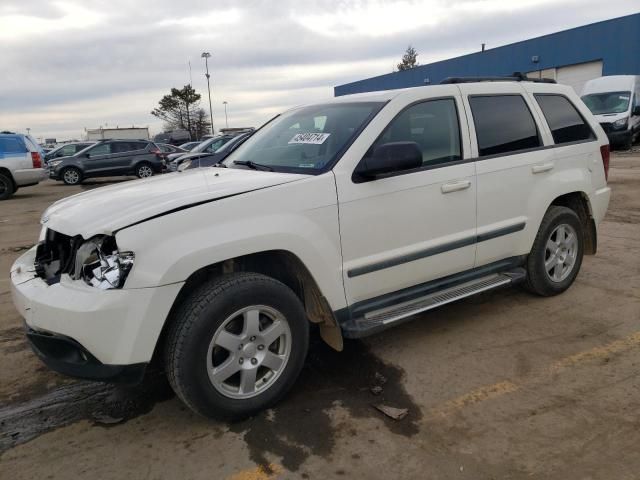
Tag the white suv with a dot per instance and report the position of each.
(354, 214)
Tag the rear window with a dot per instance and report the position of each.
(504, 124)
(566, 124)
(12, 145)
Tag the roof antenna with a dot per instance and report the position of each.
(483, 47)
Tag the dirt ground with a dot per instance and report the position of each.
(498, 386)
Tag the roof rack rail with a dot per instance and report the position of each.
(516, 77)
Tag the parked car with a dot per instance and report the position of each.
(20, 163)
(205, 148)
(173, 137)
(167, 149)
(216, 157)
(108, 158)
(615, 103)
(187, 147)
(354, 214)
(66, 150)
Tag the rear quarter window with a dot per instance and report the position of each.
(565, 122)
(504, 124)
(12, 145)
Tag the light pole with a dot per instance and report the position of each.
(226, 119)
(206, 56)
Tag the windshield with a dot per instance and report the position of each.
(307, 139)
(609, 102)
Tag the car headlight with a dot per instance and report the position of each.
(620, 124)
(100, 264)
(55, 163)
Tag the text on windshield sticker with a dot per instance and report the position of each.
(310, 138)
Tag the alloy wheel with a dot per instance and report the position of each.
(145, 171)
(249, 351)
(71, 176)
(561, 252)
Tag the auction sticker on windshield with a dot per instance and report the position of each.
(311, 138)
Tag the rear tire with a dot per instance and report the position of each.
(556, 256)
(144, 170)
(71, 176)
(236, 345)
(6, 187)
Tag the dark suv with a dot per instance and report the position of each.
(109, 158)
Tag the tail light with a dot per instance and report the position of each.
(36, 159)
(155, 150)
(605, 153)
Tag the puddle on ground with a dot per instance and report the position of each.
(296, 428)
(300, 425)
(104, 404)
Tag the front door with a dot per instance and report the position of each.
(97, 161)
(413, 226)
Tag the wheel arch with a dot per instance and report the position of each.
(579, 202)
(282, 265)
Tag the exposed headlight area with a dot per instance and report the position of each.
(54, 163)
(97, 261)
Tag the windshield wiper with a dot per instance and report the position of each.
(253, 165)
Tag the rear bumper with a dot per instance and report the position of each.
(65, 355)
(29, 176)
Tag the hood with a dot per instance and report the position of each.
(107, 209)
(610, 117)
(189, 155)
(59, 158)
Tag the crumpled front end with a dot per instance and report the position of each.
(95, 327)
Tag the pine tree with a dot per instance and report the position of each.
(409, 59)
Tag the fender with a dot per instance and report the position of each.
(299, 217)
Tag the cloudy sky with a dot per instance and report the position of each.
(69, 64)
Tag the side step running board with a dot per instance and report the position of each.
(379, 319)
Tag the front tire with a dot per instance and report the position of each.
(71, 176)
(556, 256)
(236, 345)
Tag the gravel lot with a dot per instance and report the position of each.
(502, 385)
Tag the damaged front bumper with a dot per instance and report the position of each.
(116, 328)
(67, 356)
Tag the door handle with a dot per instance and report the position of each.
(455, 186)
(543, 167)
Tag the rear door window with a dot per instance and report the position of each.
(12, 145)
(565, 122)
(504, 124)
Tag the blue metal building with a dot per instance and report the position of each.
(610, 47)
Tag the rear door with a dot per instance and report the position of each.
(137, 152)
(513, 159)
(122, 154)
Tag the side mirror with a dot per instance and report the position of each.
(389, 158)
(636, 110)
